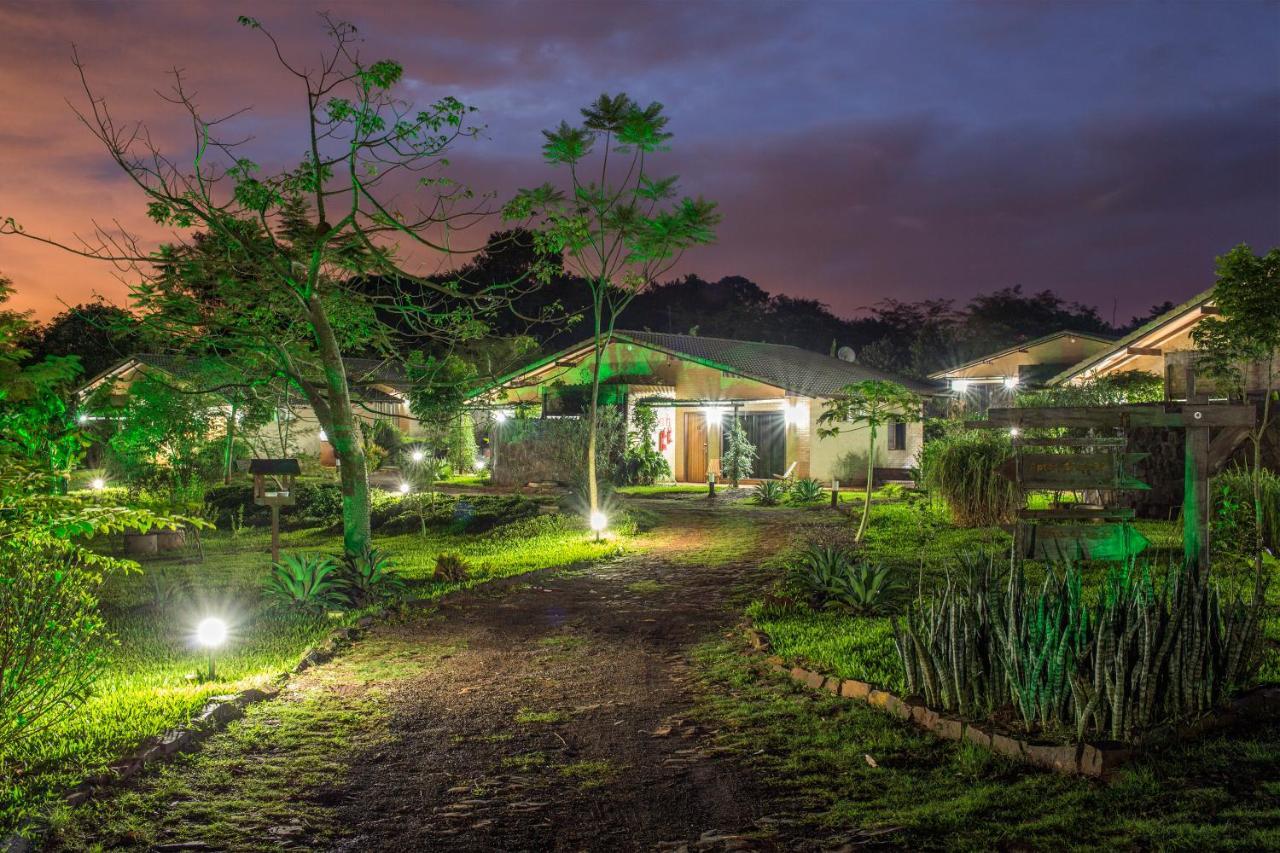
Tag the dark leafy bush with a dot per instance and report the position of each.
(1234, 520)
(230, 504)
(834, 579)
(306, 582)
(320, 502)
(450, 568)
(50, 635)
(770, 492)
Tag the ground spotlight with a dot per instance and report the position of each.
(211, 633)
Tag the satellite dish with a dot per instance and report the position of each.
(846, 354)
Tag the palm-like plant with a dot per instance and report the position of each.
(806, 490)
(368, 578)
(305, 581)
(770, 492)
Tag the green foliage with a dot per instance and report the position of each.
(1120, 668)
(1115, 389)
(369, 578)
(770, 492)
(460, 448)
(450, 568)
(645, 465)
(1247, 328)
(306, 582)
(805, 490)
(1234, 519)
(961, 469)
(739, 455)
(834, 579)
(51, 635)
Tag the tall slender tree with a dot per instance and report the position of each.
(618, 226)
(286, 272)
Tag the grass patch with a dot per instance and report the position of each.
(834, 644)
(646, 587)
(151, 615)
(591, 773)
(527, 716)
(1215, 793)
(659, 489)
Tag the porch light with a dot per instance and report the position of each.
(713, 414)
(793, 414)
(98, 484)
(960, 385)
(1011, 382)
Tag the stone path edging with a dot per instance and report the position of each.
(1099, 761)
(215, 715)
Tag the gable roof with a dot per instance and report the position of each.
(800, 371)
(1171, 316)
(1026, 345)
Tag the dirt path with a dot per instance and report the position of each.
(544, 713)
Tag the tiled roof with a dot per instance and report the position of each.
(800, 371)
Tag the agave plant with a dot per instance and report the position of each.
(305, 581)
(770, 492)
(368, 577)
(865, 590)
(450, 568)
(806, 490)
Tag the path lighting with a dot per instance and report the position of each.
(479, 466)
(82, 418)
(211, 633)
(1013, 431)
(417, 455)
(500, 416)
(98, 484)
(405, 488)
(598, 523)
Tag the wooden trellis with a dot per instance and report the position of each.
(1104, 464)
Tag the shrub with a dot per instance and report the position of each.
(50, 636)
(368, 578)
(320, 502)
(450, 568)
(806, 490)
(739, 456)
(306, 582)
(1234, 519)
(961, 469)
(835, 580)
(770, 492)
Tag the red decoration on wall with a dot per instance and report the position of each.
(664, 438)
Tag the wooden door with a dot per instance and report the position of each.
(695, 447)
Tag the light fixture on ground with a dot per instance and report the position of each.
(598, 523)
(211, 633)
(500, 416)
(1013, 431)
(417, 455)
(97, 484)
(405, 488)
(479, 464)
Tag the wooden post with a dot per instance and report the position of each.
(1195, 502)
(275, 533)
(835, 494)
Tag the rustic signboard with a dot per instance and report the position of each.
(1062, 472)
(1082, 541)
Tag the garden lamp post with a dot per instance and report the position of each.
(211, 633)
(598, 523)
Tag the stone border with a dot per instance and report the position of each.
(1096, 760)
(215, 715)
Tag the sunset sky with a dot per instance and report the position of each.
(858, 150)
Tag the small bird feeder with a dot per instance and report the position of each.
(273, 487)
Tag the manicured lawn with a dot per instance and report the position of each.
(150, 686)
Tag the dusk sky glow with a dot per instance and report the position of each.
(858, 150)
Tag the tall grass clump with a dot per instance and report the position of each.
(961, 469)
(1234, 517)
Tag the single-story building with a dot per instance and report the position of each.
(1164, 346)
(379, 391)
(695, 385)
(994, 379)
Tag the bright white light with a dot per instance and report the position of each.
(211, 632)
(98, 484)
(324, 436)
(794, 414)
(713, 414)
(598, 521)
(500, 416)
(479, 464)
(82, 418)
(405, 488)
(1011, 382)
(1013, 431)
(960, 385)
(417, 455)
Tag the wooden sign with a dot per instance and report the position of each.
(1074, 542)
(1062, 472)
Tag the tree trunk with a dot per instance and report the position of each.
(871, 472)
(344, 434)
(231, 440)
(593, 492)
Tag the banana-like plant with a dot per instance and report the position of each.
(770, 492)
